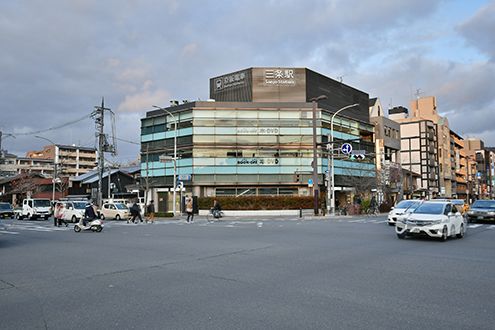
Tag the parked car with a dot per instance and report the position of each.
(482, 209)
(73, 210)
(435, 219)
(6, 211)
(400, 210)
(118, 211)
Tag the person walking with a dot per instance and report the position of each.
(59, 215)
(189, 209)
(135, 213)
(150, 212)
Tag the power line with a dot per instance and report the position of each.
(52, 128)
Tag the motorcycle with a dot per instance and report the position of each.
(94, 225)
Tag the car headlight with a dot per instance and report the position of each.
(491, 213)
(470, 212)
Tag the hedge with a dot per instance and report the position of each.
(258, 202)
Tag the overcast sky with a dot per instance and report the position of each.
(59, 58)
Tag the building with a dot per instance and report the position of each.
(387, 153)
(7, 164)
(480, 168)
(460, 166)
(419, 150)
(255, 137)
(71, 160)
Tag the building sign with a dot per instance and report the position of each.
(258, 130)
(258, 161)
(280, 77)
(231, 80)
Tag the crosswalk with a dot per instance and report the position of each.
(14, 228)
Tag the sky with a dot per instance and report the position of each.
(59, 58)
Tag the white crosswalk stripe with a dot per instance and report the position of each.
(474, 226)
(8, 232)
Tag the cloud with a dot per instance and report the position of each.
(478, 30)
(143, 100)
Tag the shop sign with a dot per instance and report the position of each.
(258, 130)
(258, 161)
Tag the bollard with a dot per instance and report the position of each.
(300, 212)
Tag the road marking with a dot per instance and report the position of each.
(8, 232)
(359, 220)
(491, 227)
(474, 226)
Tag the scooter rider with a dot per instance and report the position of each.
(89, 213)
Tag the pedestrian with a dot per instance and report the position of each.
(150, 211)
(56, 213)
(189, 209)
(135, 213)
(60, 215)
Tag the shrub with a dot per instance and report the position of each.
(258, 202)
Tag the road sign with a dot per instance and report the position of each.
(346, 148)
(185, 177)
(310, 182)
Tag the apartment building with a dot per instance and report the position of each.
(480, 167)
(387, 152)
(419, 150)
(71, 160)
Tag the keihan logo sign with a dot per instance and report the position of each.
(280, 77)
(231, 80)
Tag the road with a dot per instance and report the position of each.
(258, 273)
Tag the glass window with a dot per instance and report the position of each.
(267, 191)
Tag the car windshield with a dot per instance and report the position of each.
(79, 205)
(430, 208)
(405, 204)
(42, 203)
(5, 206)
(121, 206)
(486, 204)
(458, 202)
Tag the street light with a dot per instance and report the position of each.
(175, 155)
(316, 191)
(54, 163)
(331, 188)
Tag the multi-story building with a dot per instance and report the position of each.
(459, 164)
(419, 145)
(71, 160)
(387, 153)
(7, 164)
(480, 169)
(256, 137)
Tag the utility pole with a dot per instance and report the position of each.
(99, 115)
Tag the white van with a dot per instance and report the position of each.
(73, 210)
(33, 208)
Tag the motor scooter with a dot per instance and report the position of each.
(94, 225)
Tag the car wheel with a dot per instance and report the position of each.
(445, 234)
(117, 217)
(402, 236)
(461, 231)
(102, 217)
(73, 219)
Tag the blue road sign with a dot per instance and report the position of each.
(346, 148)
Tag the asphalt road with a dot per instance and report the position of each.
(349, 273)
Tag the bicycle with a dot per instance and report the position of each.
(214, 215)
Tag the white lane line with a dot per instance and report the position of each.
(491, 227)
(359, 220)
(381, 221)
(8, 232)
(474, 226)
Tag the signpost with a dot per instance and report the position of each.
(346, 148)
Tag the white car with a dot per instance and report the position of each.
(73, 210)
(117, 211)
(400, 210)
(434, 219)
